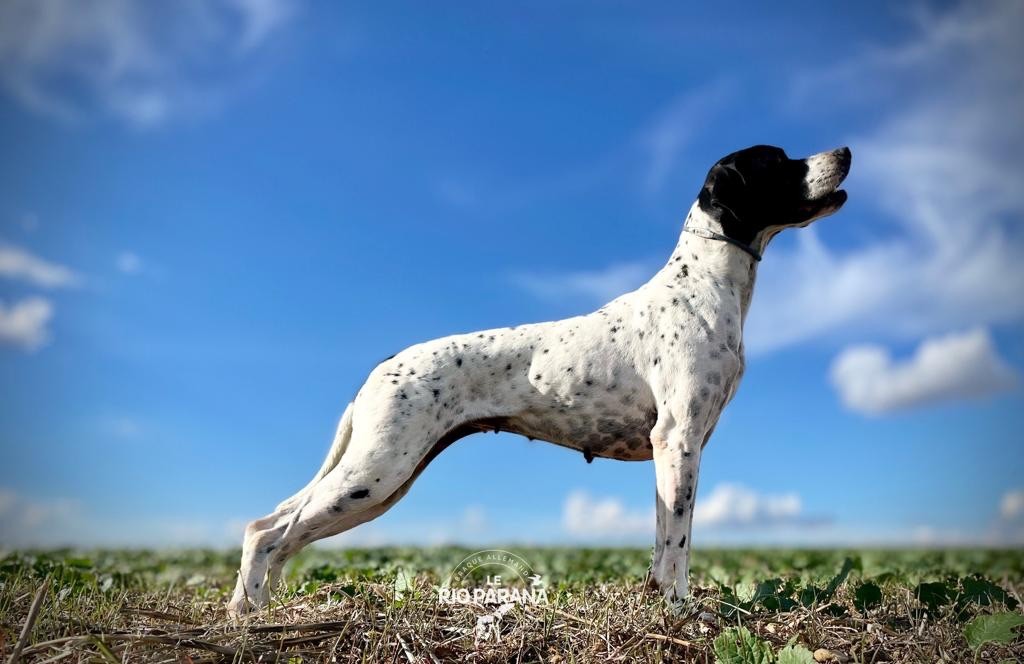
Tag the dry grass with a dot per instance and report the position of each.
(160, 617)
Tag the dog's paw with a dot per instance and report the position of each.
(241, 606)
(238, 609)
(680, 607)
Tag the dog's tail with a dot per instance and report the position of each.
(341, 440)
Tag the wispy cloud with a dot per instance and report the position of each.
(25, 324)
(955, 366)
(670, 132)
(19, 263)
(123, 427)
(140, 62)
(1011, 507)
(456, 192)
(128, 262)
(945, 167)
(591, 286)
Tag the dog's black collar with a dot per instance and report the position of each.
(711, 235)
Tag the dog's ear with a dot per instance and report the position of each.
(722, 193)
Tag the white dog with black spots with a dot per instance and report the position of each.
(644, 377)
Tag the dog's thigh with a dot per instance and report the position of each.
(366, 482)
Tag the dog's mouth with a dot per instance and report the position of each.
(834, 200)
(821, 207)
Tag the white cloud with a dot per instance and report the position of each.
(456, 193)
(732, 505)
(474, 518)
(954, 366)
(28, 222)
(23, 519)
(598, 286)
(128, 262)
(18, 263)
(123, 426)
(728, 507)
(932, 536)
(37, 521)
(260, 19)
(140, 62)
(24, 324)
(587, 516)
(1012, 505)
(469, 526)
(944, 166)
(7, 501)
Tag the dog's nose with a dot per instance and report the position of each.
(845, 157)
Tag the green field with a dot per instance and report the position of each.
(380, 605)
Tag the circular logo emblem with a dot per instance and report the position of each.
(493, 576)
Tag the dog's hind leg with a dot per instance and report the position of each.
(340, 525)
(334, 505)
(367, 480)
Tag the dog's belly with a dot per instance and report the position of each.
(600, 419)
(625, 437)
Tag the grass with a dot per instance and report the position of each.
(380, 605)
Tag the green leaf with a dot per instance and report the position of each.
(738, 646)
(981, 591)
(768, 593)
(997, 628)
(812, 594)
(934, 595)
(795, 655)
(728, 602)
(848, 565)
(403, 584)
(868, 596)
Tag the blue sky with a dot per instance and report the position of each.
(216, 219)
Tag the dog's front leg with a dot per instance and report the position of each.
(677, 449)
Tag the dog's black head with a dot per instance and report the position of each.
(757, 192)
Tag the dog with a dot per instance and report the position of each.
(644, 377)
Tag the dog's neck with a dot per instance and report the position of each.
(716, 263)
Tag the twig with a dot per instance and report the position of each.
(159, 615)
(670, 639)
(409, 655)
(107, 654)
(331, 626)
(30, 621)
(423, 643)
(581, 621)
(64, 654)
(738, 608)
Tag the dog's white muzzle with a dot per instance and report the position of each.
(826, 171)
